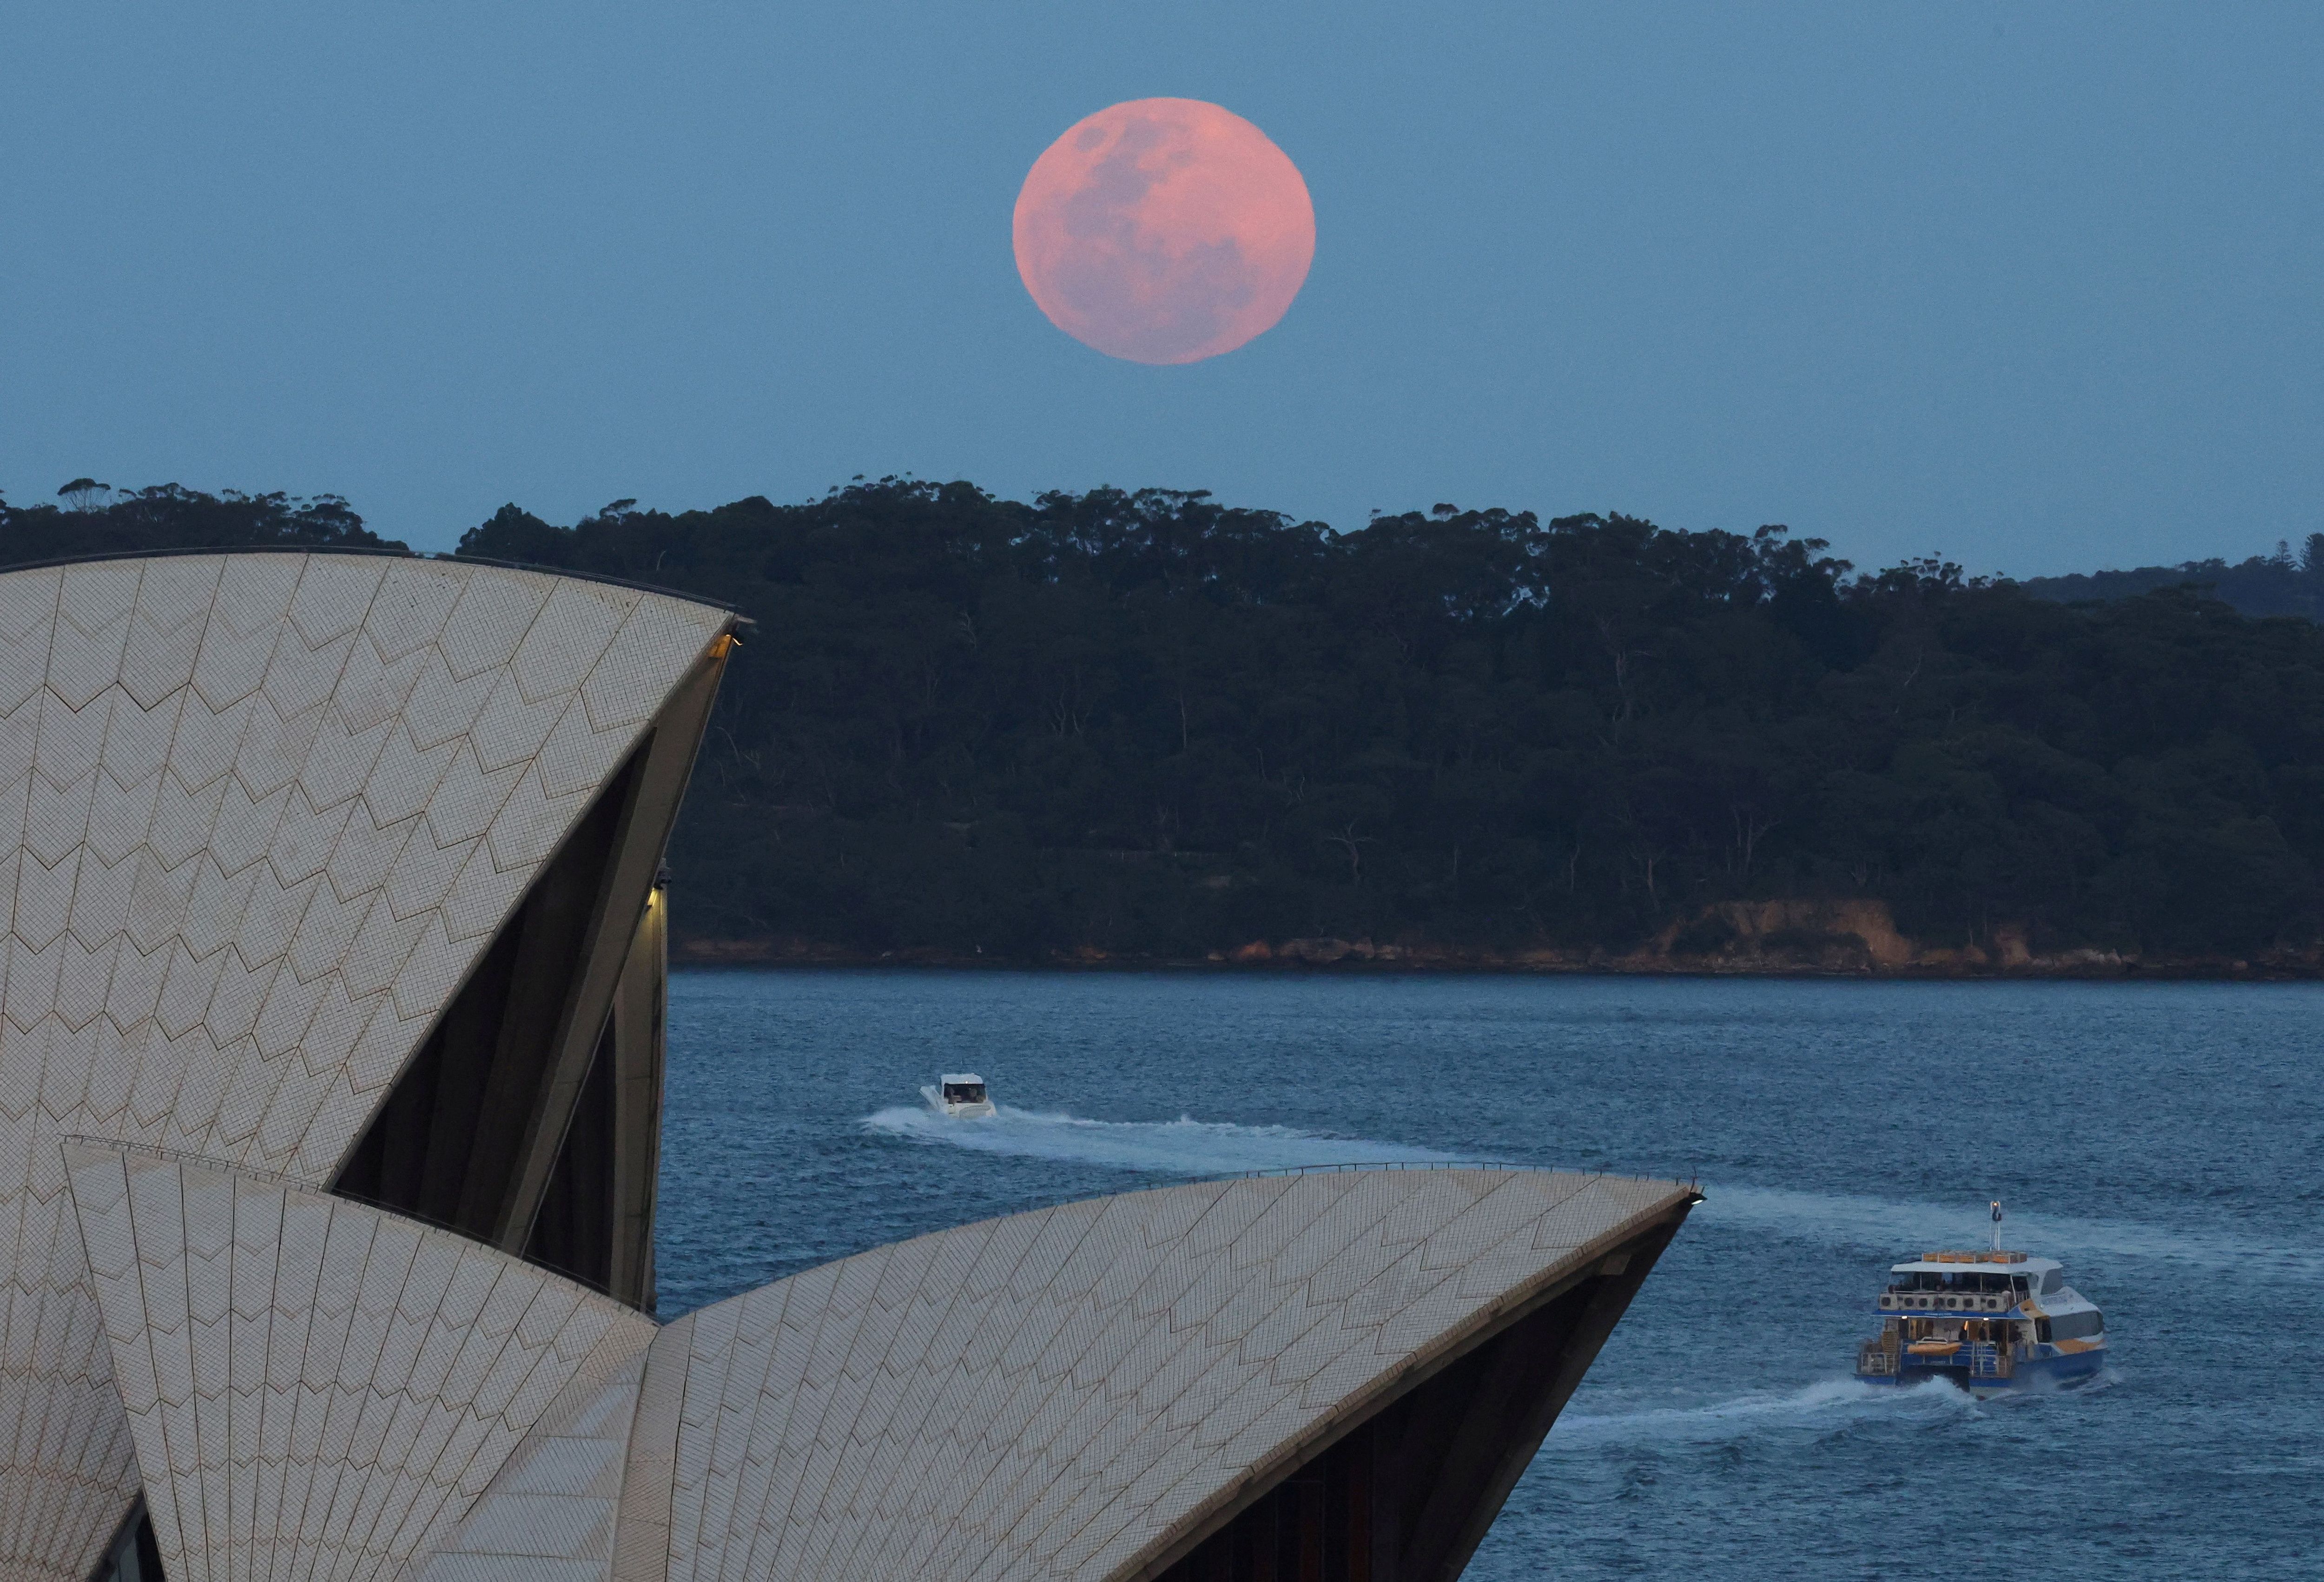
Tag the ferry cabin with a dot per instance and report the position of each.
(1986, 1320)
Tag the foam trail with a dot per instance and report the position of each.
(1826, 1404)
(1886, 1225)
(1174, 1147)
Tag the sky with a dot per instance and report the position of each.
(2035, 288)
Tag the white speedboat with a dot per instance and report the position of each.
(959, 1094)
(1992, 1322)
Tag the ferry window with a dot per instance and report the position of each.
(2017, 1283)
(2050, 1279)
(2076, 1326)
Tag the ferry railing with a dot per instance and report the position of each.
(1988, 1362)
(1983, 1359)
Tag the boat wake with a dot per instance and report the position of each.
(1822, 1406)
(1888, 1227)
(1184, 1146)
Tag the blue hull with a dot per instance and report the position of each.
(2036, 1373)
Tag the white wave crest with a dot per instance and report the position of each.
(1184, 1147)
(1825, 1404)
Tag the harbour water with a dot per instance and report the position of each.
(2164, 1139)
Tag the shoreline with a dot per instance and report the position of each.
(1361, 958)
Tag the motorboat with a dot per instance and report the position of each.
(961, 1095)
(1992, 1322)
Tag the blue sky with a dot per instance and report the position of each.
(2036, 287)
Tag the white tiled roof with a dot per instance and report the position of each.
(316, 1389)
(259, 814)
(1060, 1393)
(267, 811)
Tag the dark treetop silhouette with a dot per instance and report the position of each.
(1150, 726)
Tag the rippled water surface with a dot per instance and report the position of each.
(2162, 1139)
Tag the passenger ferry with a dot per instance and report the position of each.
(1991, 1322)
(959, 1094)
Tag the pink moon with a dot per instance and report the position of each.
(1164, 231)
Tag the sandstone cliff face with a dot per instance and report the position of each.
(1857, 935)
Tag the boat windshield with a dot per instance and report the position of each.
(964, 1092)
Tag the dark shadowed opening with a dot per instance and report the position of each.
(446, 1146)
(531, 1119)
(574, 1232)
(1406, 1494)
(134, 1554)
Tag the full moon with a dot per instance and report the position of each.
(1164, 231)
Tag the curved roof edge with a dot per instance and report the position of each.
(235, 1305)
(171, 551)
(269, 807)
(1155, 1386)
(1437, 1444)
(1095, 1390)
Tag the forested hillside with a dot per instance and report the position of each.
(1148, 726)
(2282, 583)
(1151, 725)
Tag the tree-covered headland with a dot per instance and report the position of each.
(1152, 727)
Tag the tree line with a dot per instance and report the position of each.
(1149, 725)
(2285, 583)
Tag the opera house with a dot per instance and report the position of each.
(330, 1083)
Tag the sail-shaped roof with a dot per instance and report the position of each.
(259, 815)
(330, 998)
(319, 1389)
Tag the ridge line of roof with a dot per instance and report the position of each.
(258, 1176)
(1501, 1164)
(378, 552)
(1431, 1357)
(1693, 1190)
